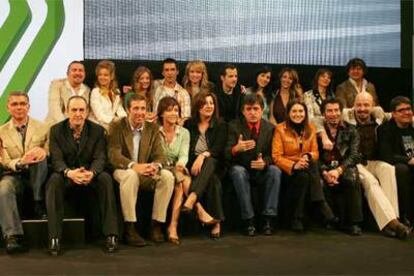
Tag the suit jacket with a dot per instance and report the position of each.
(13, 149)
(346, 92)
(286, 149)
(59, 94)
(66, 154)
(216, 136)
(263, 144)
(121, 146)
(390, 145)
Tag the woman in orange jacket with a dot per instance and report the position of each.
(295, 152)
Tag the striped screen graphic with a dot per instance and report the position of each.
(317, 32)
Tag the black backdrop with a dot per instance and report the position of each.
(389, 82)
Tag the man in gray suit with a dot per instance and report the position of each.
(136, 153)
(24, 159)
(62, 89)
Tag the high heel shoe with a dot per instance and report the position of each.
(173, 240)
(186, 210)
(210, 222)
(215, 235)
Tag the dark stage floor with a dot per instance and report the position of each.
(316, 252)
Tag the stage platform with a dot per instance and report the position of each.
(315, 252)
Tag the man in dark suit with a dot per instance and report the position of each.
(249, 151)
(78, 153)
(136, 153)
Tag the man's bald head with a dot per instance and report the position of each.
(364, 102)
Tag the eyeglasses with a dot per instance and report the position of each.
(402, 110)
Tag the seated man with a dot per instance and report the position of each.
(78, 153)
(249, 151)
(396, 146)
(136, 153)
(62, 89)
(24, 157)
(338, 167)
(377, 177)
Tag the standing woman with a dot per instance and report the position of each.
(142, 84)
(106, 103)
(289, 89)
(175, 141)
(263, 87)
(295, 152)
(195, 78)
(322, 90)
(208, 137)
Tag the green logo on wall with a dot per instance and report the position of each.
(12, 31)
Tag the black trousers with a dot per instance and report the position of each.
(304, 188)
(207, 186)
(405, 182)
(345, 198)
(100, 190)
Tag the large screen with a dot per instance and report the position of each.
(317, 32)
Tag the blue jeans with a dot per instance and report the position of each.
(270, 178)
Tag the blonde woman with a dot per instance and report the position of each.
(106, 103)
(195, 78)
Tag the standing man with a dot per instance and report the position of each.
(136, 153)
(249, 151)
(355, 84)
(396, 146)
(62, 89)
(377, 177)
(78, 153)
(229, 93)
(24, 154)
(338, 167)
(169, 87)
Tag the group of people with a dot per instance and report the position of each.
(305, 152)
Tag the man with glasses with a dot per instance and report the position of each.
(23, 157)
(396, 146)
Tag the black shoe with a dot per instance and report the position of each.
(402, 232)
(54, 247)
(404, 220)
(14, 245)
(111, 244)
(355, 230)
(250, 229)
(332, 223)
(388, 232)
(40, 210)
(297, 226)
(267, 227)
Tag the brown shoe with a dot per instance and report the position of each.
(156, 233)
(131, 235)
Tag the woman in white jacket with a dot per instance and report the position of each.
(106, 103)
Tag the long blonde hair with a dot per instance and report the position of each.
(197, 65)
(110, 66)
